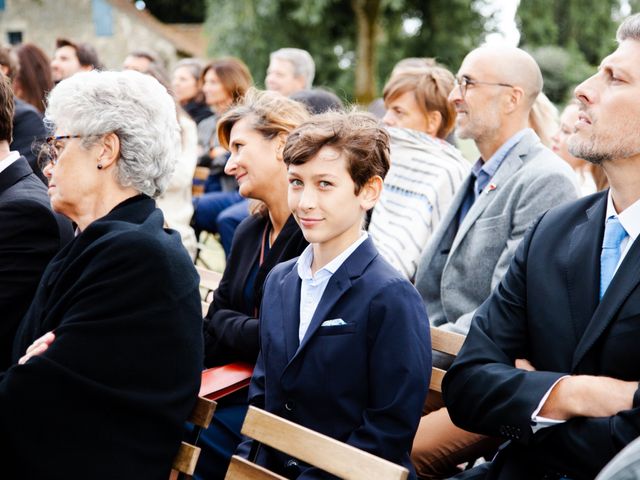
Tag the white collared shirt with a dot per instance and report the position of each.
(313, 286)
(630, 221)
(8, 160)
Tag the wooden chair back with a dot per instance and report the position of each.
(209, 281)
(311, 447)
(199, 178)
(445, 342)
(184, 463)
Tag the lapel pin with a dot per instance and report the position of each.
(492, 187)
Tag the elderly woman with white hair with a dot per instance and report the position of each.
(108, 397)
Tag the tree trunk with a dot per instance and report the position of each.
(366, 12)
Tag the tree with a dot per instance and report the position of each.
(353, 42)
(172, 11)
(587, 26)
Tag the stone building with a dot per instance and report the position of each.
(113, 27)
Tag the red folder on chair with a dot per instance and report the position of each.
(218, 382)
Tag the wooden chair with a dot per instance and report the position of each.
(310, 447)
(445, 342)
(199, 177)
(184, 463)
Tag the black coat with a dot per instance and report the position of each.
(28, 134)
(30, 235)
(230, 326)
(547, 310)
(108, 399)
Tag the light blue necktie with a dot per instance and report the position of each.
(614, 234)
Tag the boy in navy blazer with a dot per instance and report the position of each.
(345, 345)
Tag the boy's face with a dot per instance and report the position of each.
(323, 201)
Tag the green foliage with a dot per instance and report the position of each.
(251, 29)
(562, 71)
(587, 26)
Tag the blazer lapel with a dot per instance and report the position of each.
(509, 166)
(290, 296)
(14, 172)
(624, 281)
(583, 279)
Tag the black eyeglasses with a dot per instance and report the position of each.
(53, 150)
(464, 82)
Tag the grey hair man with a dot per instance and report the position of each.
(290, 70)
(551, 360)
(515, 180)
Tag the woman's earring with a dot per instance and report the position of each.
(99, 166)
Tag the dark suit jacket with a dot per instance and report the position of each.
(230, 326)
(546, 310)
(28, 132)
(108, 399)
(363, 383)
(30, 235)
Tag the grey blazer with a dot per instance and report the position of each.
(460, 267)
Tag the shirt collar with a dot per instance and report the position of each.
(490, 167)
(629, 217)
(306, 258)
(8, 160)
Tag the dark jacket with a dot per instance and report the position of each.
(30, 235)
(230, 326)
(108, 399)
(363, 381)
(198, 111)
(547, 310)
(28, 134)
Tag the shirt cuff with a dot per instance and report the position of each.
(538, 422)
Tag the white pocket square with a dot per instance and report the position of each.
(334, 322)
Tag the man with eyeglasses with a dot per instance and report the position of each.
(514, 181)
(30, 233)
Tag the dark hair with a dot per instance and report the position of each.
(9, 59)
(430, 87)
(33, 81)
(146, 53)
(233, 74)
(358, 136)
(318, 100)
(87, 55)
(6, 109)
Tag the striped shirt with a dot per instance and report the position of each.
(424, 175)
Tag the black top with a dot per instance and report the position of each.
(28, 134)
(109, 398)
(197, 110)
(231, 326)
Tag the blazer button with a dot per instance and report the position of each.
(289, 405)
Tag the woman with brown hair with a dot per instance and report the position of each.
(33, 80)
(187, 88)
(221, 209)
(254, 132)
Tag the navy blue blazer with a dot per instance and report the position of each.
(363, 383)
(547, 310)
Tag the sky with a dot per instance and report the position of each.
(505, 15)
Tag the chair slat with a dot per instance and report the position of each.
(316, 449)
(241, 469)
(186, 459)
(446, 342)
(437, 374)
(208, 278)
(202, 412)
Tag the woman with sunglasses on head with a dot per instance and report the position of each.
(107, 393)
(254, 132)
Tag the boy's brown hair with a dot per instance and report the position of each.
(431, 87)
(357, 136)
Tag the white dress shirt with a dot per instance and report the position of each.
(630, 221)
(8, 160)
(313, 286)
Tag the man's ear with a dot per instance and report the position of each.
(370, 192)
(515, 99)
(110, 151)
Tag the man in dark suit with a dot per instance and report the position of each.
(30, 233)
(551, 362)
